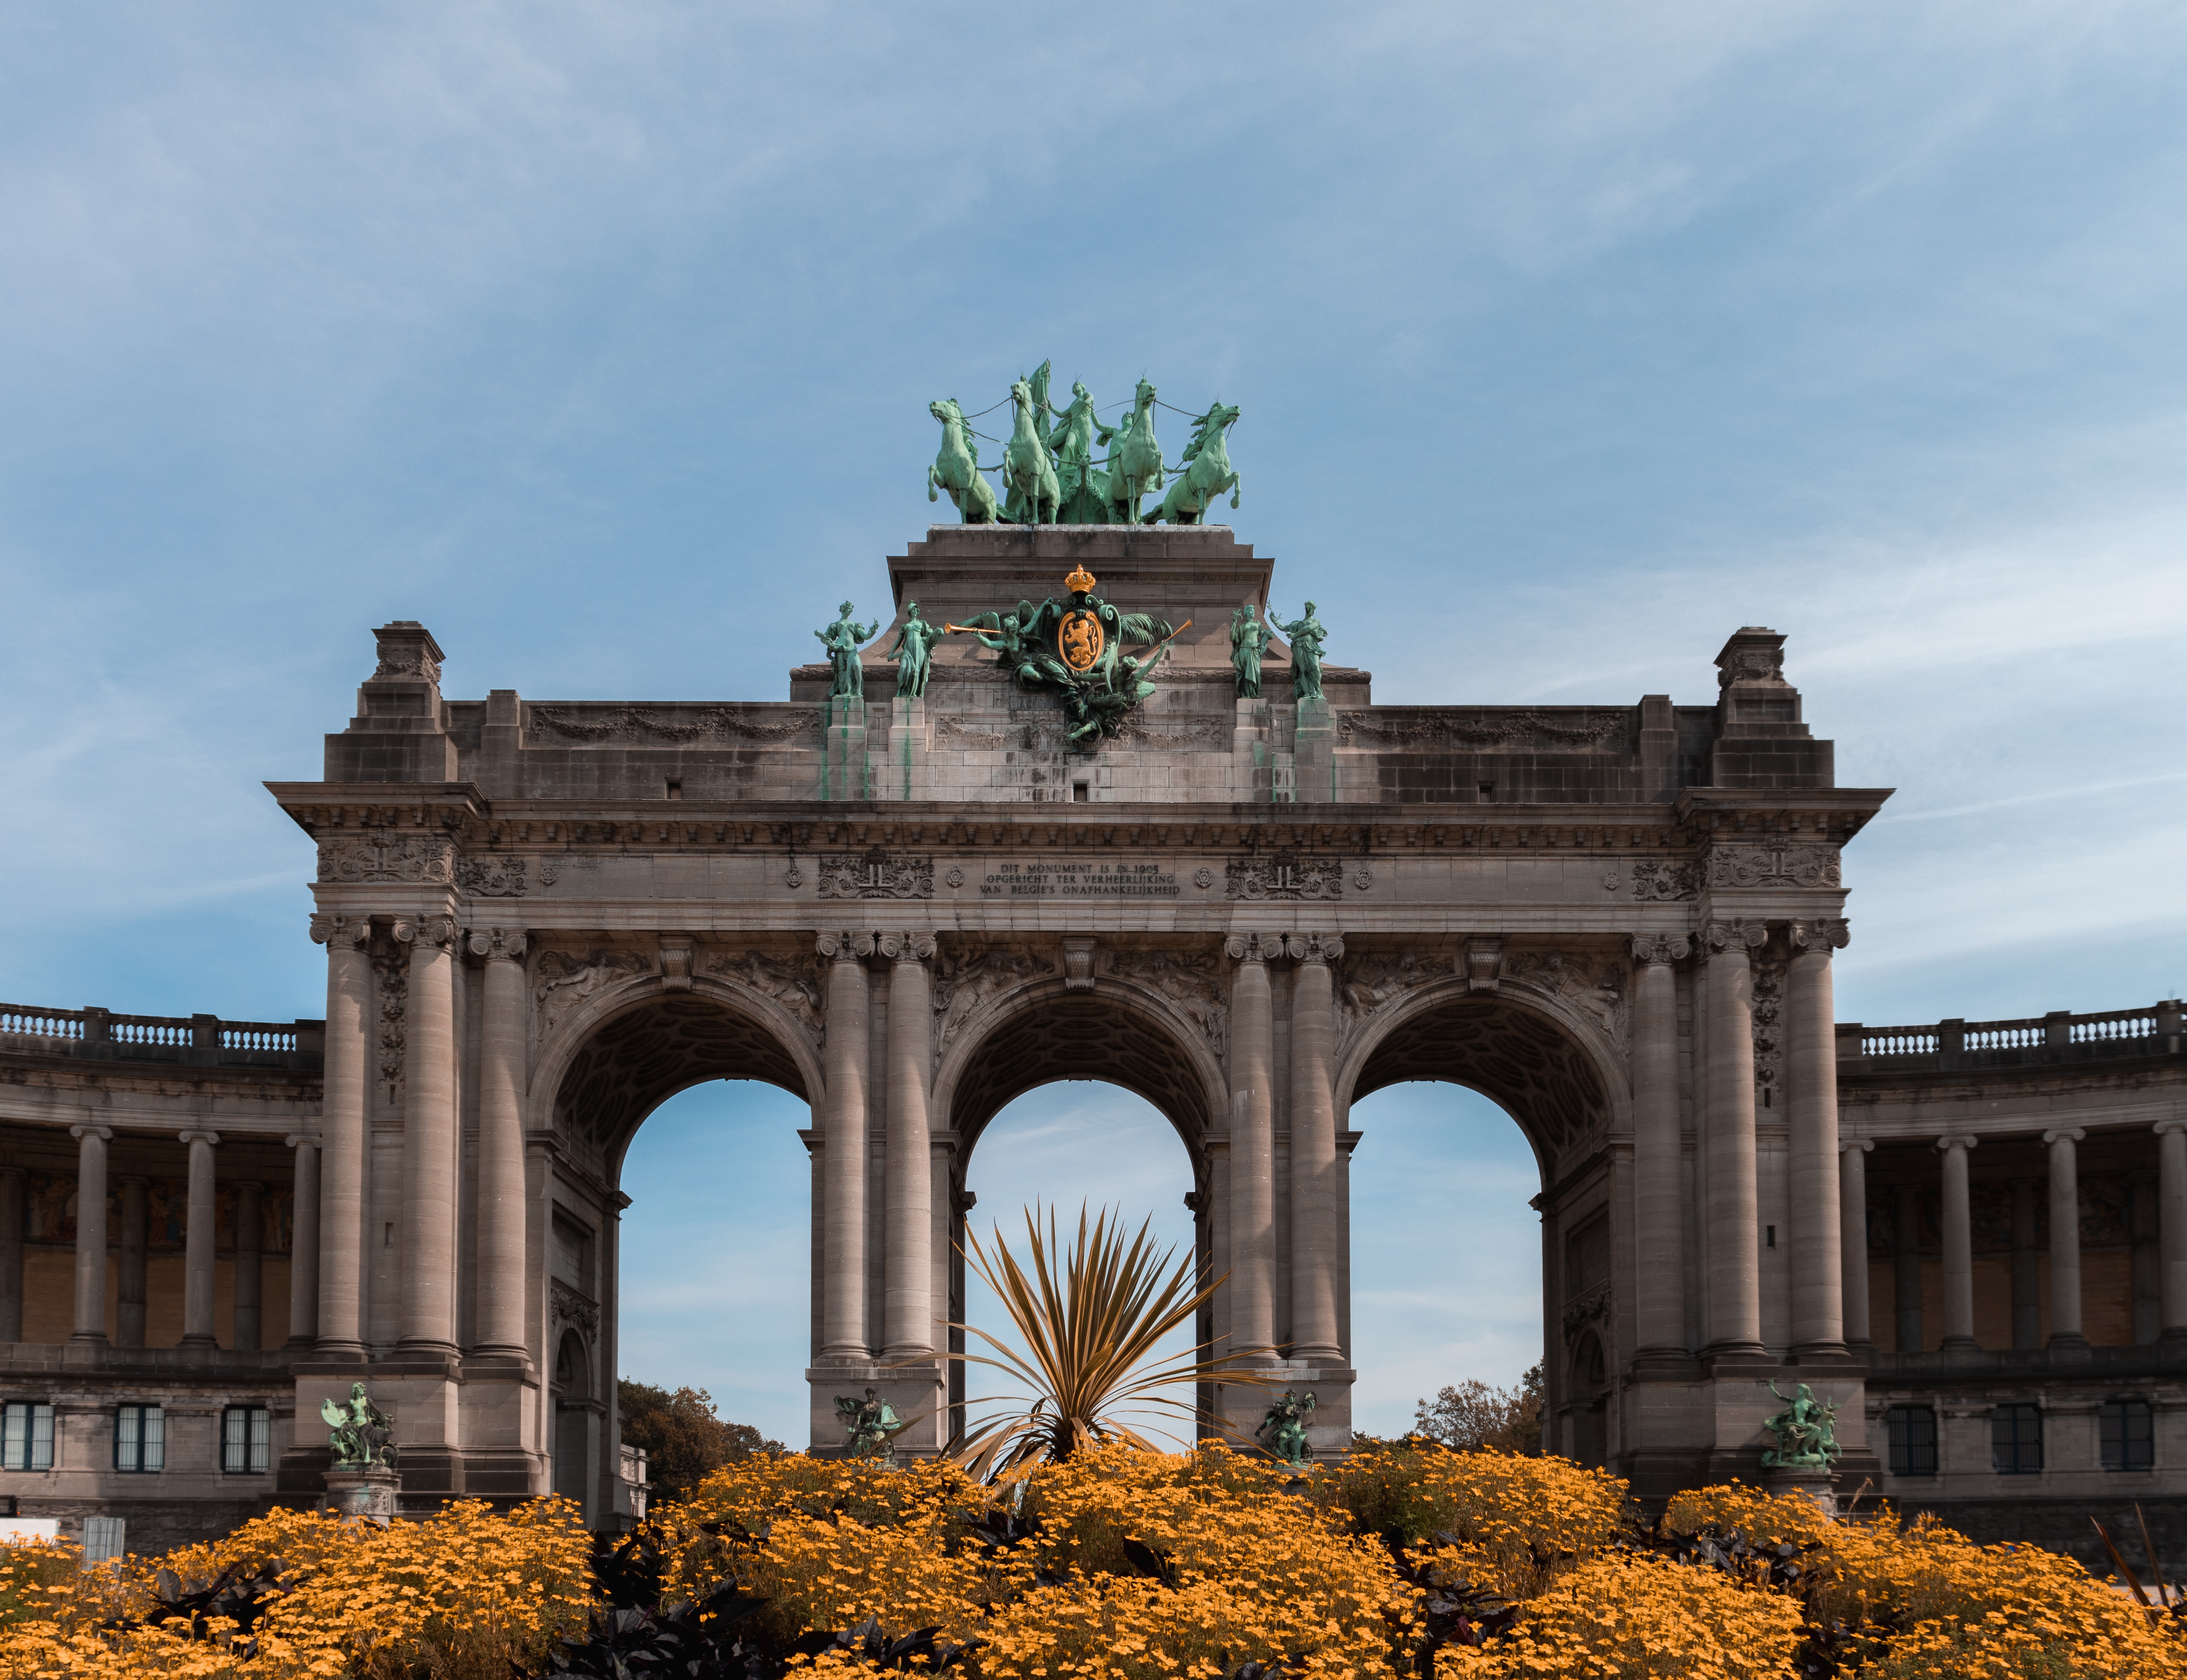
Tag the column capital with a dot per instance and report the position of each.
(103, 1133)
(341, 933)
(1865, 1145)
(1961, 1141)
(845, 946)
(1821, 935)
(1661, 947)
(1252, 948)
(503, 944)
(296, 1140)
(905, 948)
(427, 931)
(2070, 1134)
(2165, 1126)
(1313, 948)
(199, 1135)
(1743, 937)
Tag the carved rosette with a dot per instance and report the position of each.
(381, 856)
(1774, 864)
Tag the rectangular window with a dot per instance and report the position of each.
(247, 1441)
(1912, 1440)
(26, 1436)
(2016, 1440)
(140, 1438)
(104, 1539)
(2128, 1431)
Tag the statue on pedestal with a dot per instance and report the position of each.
(913, 652)
(1806, 1432)
(1248, 636)
(1283, 1431)
(1306, 634)
(842, 639)
(870, 1426)
(363, 1435)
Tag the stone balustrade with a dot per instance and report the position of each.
(2061, 1037)
(93, 1034)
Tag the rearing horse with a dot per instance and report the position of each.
(1135, 462)
(957, 468)
(1027, 468)
(1205, 472)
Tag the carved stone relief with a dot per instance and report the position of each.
(382, 855)
(1774, 864)
(390, 973)
(495, 876)
(1193, 984)
(1665, 880)
(637, 723)
(1285, 876)
(565, 979)
(877, 874)
(963, 980)
(794, 982)
(1769, 1031)
(1374, 978)
(572, 1308)
(1596, 985)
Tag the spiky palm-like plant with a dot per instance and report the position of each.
(1089, 1330)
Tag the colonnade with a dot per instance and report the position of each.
(2061, 1188)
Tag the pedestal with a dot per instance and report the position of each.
(1249, 780)
(365, 1495)
(843, 772)
(918, 1390)
(1818, 1483)
(906, 777)
(1313, 745)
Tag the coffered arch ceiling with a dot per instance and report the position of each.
(1053, 1034)
(635, 1061)
(1516, 1056)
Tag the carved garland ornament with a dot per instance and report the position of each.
(1286, 875)
(413, 860)
(877, 874)
(495, 876)
(1774, 864)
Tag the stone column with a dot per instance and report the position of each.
(1659, 1214)
(304, 1243)
(427, 1231)
(129, 1295)
(907, 1301)
(1735, 1293)
(1252, 1147)
(250, 1264)
(1314, 1251)
(1959, 1247)
(14, 1181)
(90, 1231)
(843, 1156)
(1853, 1242)
(342, 1134)
(2172, 1230)
(1906, 1269)
(1818, 1306)
(2065, 1239)
(501, 1190)
(197, 1243)
(2027, 1269)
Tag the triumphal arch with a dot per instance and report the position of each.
(1080, 805)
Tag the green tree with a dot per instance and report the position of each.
(1474, 1414)
(684, 1441)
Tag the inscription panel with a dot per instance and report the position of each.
(1080, 881)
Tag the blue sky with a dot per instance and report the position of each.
(600, 338)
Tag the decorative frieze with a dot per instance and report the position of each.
(1772, 864)
(384, 856)
(1284, 875)
(643, 725)
(1666, 881)
(877, 874)
(497, 875)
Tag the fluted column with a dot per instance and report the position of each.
(501, 1189)
(2172, 1229)
(304, 1243)
(250, 1264)
(14, 1181)
(129, 1289)
(1734, 1316)
(843, 1151)
(1853, 1242)
(1252, 1147)
(2065, 1238)
(91, 1142)
(1959, 1246)
(1812, 1072)
(1315, 1248)
(1906, 1269)
(1659, 1213)
(429, 1137)
(907, 1313)
(197, 1233)
(342, 1136)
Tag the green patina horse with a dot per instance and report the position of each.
(1085, 492)
(1026, 467)
(957, 468)
(1205, 473)
(1135, 462)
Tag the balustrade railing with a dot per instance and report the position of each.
(93, 1031)
(2154, 1028)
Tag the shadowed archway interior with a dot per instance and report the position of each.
(1523, 1061)
(636, 1061)
(1081, 1035)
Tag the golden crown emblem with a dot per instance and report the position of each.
(1080, 581)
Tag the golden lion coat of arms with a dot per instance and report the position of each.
(1079, 639)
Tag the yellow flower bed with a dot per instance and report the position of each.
(1124, 1565)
